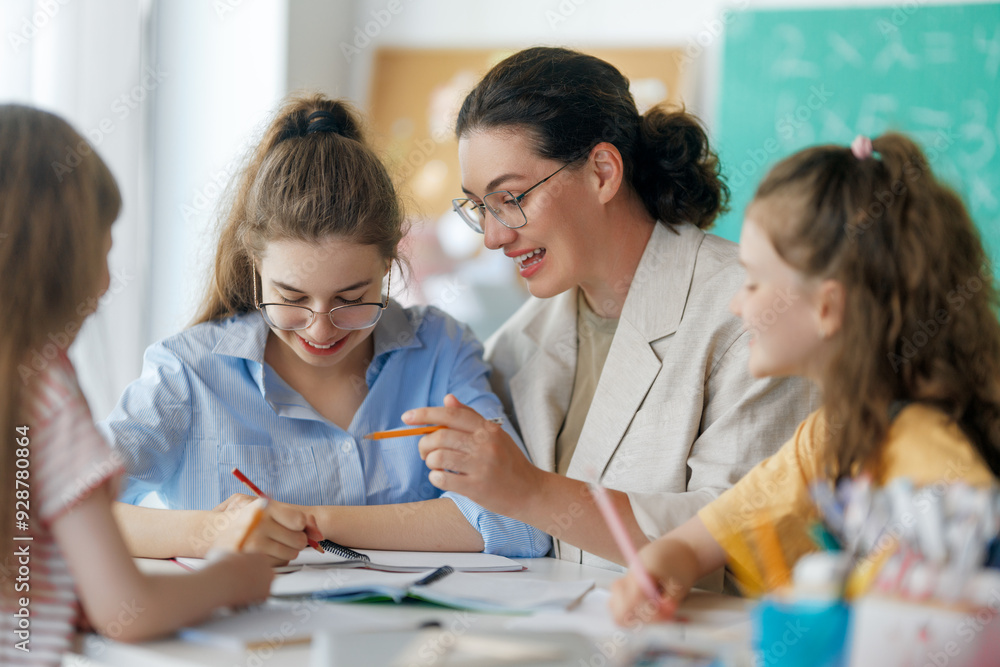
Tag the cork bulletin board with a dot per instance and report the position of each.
(416, 94)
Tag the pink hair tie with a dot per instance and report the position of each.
(861, 147)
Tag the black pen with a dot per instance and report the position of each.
(439, 573)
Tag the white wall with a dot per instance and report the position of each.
(224, 65)
(315, 30)
(83, 62)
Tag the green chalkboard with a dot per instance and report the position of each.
(795, 78)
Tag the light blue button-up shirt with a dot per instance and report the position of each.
(206, 403)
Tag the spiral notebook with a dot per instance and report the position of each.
(443, 586)
(338, 556)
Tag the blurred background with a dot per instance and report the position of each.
(173, 93)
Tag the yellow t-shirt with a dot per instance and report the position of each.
(923, 444)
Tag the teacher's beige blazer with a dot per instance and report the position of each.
(676, 418)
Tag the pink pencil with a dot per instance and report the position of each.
(624, 542)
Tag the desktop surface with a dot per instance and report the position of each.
(709, 617)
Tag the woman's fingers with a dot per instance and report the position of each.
(454, 415)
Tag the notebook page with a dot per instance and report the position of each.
(463, 590)
(310, 580)
(485, 593)
(417, 560)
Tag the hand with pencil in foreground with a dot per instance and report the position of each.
(675, 563)
(277, 530)
(75, 566)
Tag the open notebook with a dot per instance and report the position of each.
(337, 556)
(443, 586)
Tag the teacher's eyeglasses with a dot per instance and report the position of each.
(503, 204)
(349, 317)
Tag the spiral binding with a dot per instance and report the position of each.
(342, 551)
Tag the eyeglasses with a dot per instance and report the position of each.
(349, 317)
(503, 204)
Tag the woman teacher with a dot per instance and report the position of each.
(626, 363)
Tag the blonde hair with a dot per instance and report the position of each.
(312, 176)
(54, 219)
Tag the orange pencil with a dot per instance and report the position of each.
(253, 524)
(253, 487)
(402, 432)
(416, 430)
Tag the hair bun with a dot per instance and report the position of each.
(323, 121)
(304, 118)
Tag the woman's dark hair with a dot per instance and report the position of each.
(920, 321)
(570, 102)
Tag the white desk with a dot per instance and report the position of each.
(711, 616)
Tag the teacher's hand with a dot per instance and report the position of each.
(475, 457)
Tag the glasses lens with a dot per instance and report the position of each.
(470, 212)
(504, 206)
(286, 318)
(361, 316)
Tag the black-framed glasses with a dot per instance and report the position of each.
(503, 204)
(349, 317)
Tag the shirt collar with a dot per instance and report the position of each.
(395, 330)
(244, 338)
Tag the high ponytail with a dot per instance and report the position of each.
(920, 322)
(569, 102)
(312, 176)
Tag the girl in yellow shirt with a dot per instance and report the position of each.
(866, 275)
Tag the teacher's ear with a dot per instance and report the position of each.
(608, 170)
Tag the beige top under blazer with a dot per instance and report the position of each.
(676, 418)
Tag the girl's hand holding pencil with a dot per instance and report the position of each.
(631, 603)
(277, 530)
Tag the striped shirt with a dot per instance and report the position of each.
(67, 458)
(206, 402)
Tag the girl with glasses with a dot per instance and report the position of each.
(626, 363)
(297, 353)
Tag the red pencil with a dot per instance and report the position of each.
(253, 487)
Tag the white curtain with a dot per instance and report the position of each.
(84, 61)
(170, 94)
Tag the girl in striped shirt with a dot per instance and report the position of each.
(63, 557)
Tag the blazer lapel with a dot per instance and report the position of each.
(652, 310)
(541, 389)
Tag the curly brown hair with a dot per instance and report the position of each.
(570, 101)
(920, 321)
